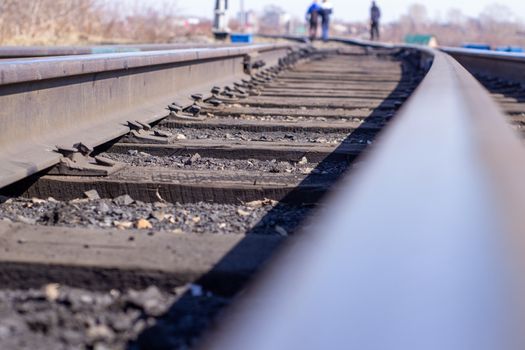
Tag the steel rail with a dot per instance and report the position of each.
(350, 41)
(45, 51)
(296, 38)
(504, 65)
(422, 248)
(367, 43)
(90, 99)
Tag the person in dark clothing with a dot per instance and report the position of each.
(375, 15)
(326, 11)
(312, 16)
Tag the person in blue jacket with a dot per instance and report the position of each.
(312, 17)
(326, 11)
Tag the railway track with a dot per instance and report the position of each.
(207, 159)
(137, 227)
(191, 215)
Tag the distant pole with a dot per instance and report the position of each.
(220, 23)
(243, 17)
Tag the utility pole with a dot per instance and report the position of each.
(220, 23)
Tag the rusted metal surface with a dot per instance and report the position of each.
(421, 250)
(90, 99)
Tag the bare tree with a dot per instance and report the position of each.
(456, 17)
(497, 13)
(418, 14)
(91, 21)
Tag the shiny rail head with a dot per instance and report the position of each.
(421, 249)
(20, 71)
(46, 51)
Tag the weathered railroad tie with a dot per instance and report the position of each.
(249, 167)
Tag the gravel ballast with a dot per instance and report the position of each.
(285, 118)
(58, 317)
(258, 217)
(320, 137)
(196, 162)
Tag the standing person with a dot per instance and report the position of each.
(312, 16)
(326, 11)
(375, 15)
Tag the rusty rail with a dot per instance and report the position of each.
(421, 249)
(91, 99)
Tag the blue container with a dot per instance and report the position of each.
(476, 46)
(510, 49)
(241, 38)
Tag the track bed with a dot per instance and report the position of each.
(147, 257)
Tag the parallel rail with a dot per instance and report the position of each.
(504, 65)
(10, 52)
(421, 250)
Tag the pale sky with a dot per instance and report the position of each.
(356, 10)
